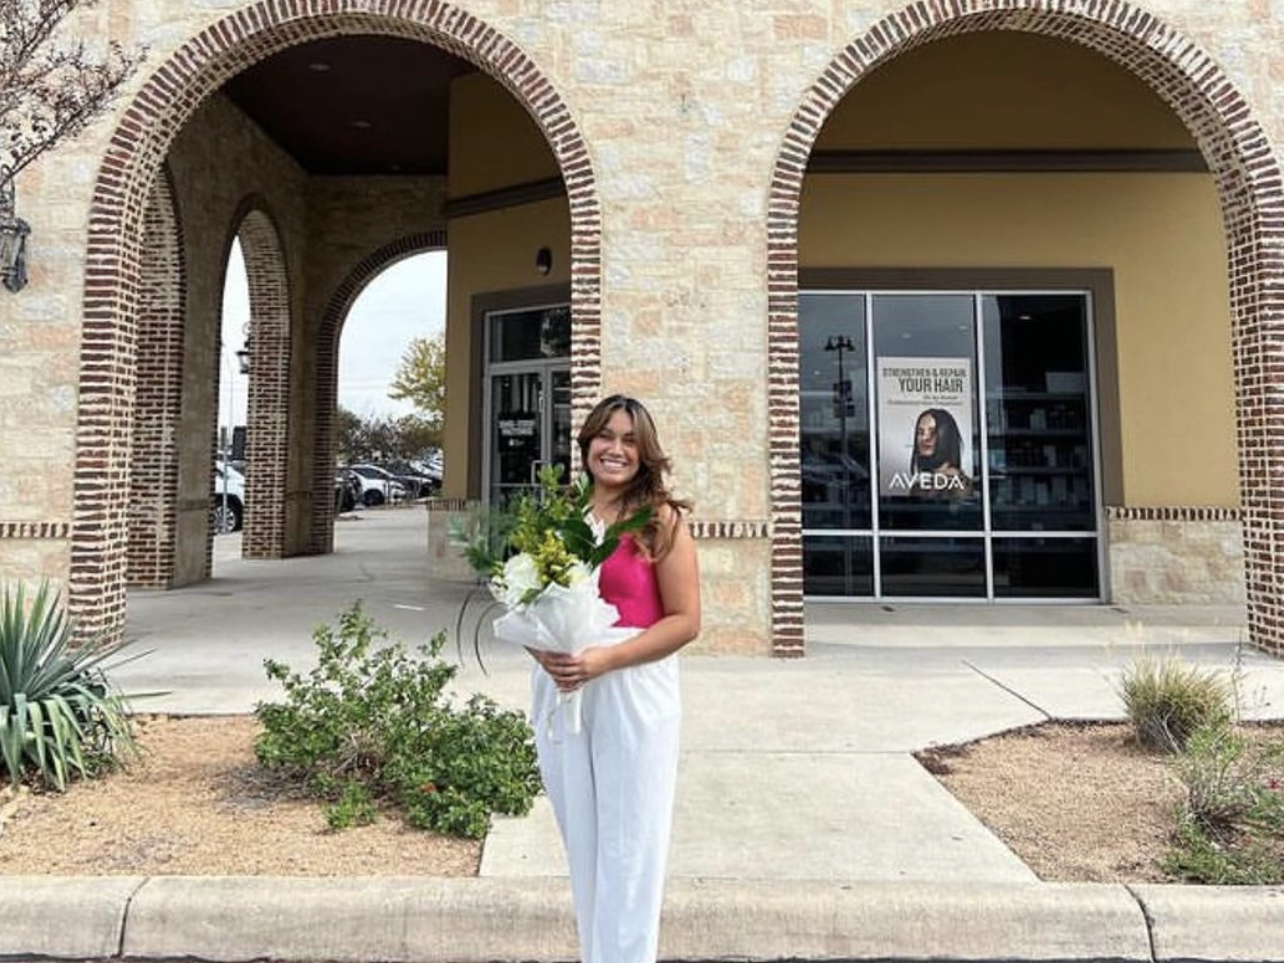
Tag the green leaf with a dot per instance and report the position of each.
(11, 749)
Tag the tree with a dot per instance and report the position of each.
(421, 379)
(385, 440)
(49, 91)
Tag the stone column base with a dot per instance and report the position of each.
(1177, 556)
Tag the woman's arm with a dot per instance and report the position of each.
(678, 579)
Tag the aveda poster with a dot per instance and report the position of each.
(925, 427)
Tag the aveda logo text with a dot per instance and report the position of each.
(926, 481)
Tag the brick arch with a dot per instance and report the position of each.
(268, 410)
(1252, 198)
(162, 311)
(327, 369)
(142, 137)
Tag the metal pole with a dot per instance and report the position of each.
(231, 426)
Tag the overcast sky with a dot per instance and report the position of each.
(406, 301)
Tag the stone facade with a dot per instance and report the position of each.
(683, 142)
(1184, 556)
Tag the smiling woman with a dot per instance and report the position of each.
(613, 778)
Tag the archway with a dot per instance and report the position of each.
(132, 161)
(327, 368)
(1248, 183)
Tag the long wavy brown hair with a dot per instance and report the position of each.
(648, 487)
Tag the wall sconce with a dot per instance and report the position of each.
(243, 359)
(13, 241)
(543, 260)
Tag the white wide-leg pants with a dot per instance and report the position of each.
(611, 785)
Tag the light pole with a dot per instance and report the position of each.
(228, 446)
(225, 447)
(839, 344)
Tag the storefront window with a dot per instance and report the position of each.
(529, 335)
(933, 567)
(929, 474)
(834, 414)
(1037, 405)
(838, 566)
(1045, 568)
(957, 458)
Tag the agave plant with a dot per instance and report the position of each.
(58, 714)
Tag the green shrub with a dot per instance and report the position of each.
(59, 717)
(1167, 700)
(1231, 822)
(1231, 781)
(1200, 857)
(373, 715)
(354, 808)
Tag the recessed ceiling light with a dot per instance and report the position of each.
(395, 168)
(362, 124)
(319, 66)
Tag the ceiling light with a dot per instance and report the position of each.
(319, 66)
(362, 124)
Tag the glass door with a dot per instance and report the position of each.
(518, 439)
(528, 398)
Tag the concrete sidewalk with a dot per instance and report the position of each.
(798, 794)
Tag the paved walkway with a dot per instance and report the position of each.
(795, 772)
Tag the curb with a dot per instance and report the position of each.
(432, 920)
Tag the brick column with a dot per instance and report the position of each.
(154, 466)
(268, 417)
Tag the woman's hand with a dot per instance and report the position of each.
(569, 672)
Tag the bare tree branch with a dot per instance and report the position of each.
(49, 92)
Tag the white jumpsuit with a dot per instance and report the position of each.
(612, 785)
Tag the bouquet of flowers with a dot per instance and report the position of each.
(541, 559)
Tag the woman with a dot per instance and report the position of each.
(938, 453)
(612, 782)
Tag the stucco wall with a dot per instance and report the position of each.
(1002, 91)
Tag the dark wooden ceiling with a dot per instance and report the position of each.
(354, 105)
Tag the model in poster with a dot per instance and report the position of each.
(612, 782)
(936, 464)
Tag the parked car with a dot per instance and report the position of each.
(433, 466)
(418, 483)
(378, 485)
(227, 513)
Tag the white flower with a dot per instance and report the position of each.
(521, 575)
(577, 573)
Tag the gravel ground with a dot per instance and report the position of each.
(1078, 803)
(197, 804)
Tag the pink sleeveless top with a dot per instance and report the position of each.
(627, 581)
